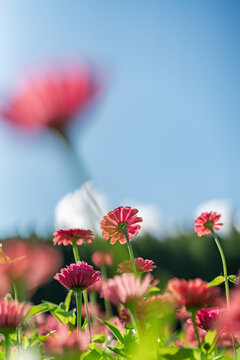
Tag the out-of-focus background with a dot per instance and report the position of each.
(163, 134)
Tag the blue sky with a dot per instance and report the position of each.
(167, 129)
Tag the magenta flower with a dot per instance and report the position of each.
(78, 277)
(126, 289)
(12, 313)
(141, 266)
(206, 318)
(120, 221)
(72, 236)
(207, 222)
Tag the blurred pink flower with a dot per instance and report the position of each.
(78, 277)
(141, 266)
(207, 222)
(193, 293)
(12, 313)
(31, 263)
(118, 221)
(46, 323)
(64, 340)
(71, 236)
(100, 258)
(52, 98)
(97, 286)
(126, 289)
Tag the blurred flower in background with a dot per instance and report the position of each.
(84, 208)
(222, 206)
(52, 97)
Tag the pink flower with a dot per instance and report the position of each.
(124, 316)
(206, 318)
(52, 98)
(119, 221)
(141, 266)
(72, 236)
(12, 313)
(64, 340)
(193, 293)
(126, 289)
(207, 222)
(78, 277)
(31, 264)
(100, 258)
(95, 287)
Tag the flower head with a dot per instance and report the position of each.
(71, 236)
(64, 340)
(126, 289)
(52, 98)
(207, 222)
(29, 263)
(193, 293)
(12, 313)
(78, 277)
(100, 258)
(121, 221)
(141, 266)
(155, 307)
(206, 318)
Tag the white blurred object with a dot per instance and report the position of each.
(26, 355)
(84, 209)
(151, 215)
(221, 206)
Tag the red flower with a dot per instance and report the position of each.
(52, 98)
(119, 221)
(193, 293)
(70, 236)
(12, 313)
(141, 266)
(207, 222)
(206, 318)
(126, 289)
(78, 277)
(100, 258)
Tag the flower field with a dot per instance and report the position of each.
(127, 316)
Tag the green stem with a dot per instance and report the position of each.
(193, 316)
(130, 253)
(225, 275)
(135, 321)
(79, 310)
(15, 291)
(85, 297)
(7, 347)
(107, 303)
(75, 252)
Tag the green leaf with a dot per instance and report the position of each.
(114, 329)
(99, 338)
(92, 355)
(233, 279)
(117, 351)
(85, 324)
(37, 309)
(217, 281)
(176, 353)
(68, 300)
(95, 347)
(65, 317)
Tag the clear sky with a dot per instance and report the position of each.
(167, 130)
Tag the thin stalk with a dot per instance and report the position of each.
(85, 297)
(15, 291)
(75, 252)
(193, 316)
(107, 304)
(225, 275)
(130, 253)
(7, 347)
(79, 310)
(135, 321)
